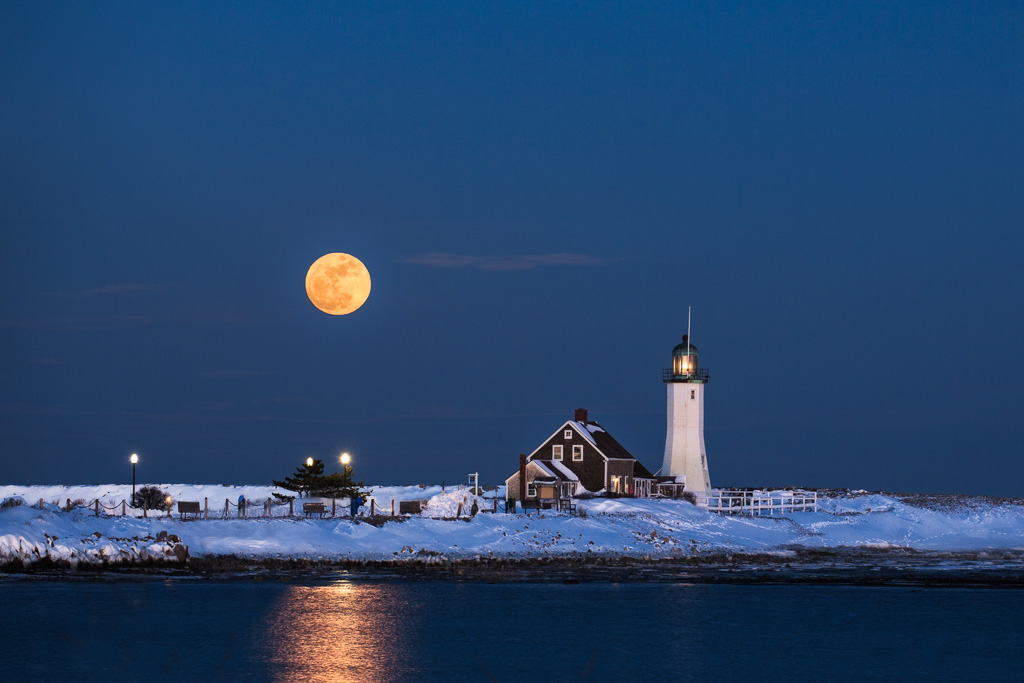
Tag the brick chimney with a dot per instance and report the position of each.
(522, 476)
(581, 415)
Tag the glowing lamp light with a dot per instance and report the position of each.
(309, 462)
(345, 458)
(134, 459)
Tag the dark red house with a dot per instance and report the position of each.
(581, 456)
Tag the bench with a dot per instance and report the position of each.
(187, 507)
(314, 509)
(410, 507)
(537, 503)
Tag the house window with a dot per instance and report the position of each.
(577, 453)
(531, 490)
(693, 393)
(568, 433)
(556, 452)
(615, 484)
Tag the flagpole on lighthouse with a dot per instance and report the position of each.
(688, 366)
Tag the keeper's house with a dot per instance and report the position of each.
(580, 457)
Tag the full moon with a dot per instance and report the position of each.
(337, 283)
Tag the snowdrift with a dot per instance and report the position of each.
(623, 527)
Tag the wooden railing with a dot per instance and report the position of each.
(759, 503)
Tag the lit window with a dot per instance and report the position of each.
(556, 452)
(531, 491)
(568, 433)
(577, 453)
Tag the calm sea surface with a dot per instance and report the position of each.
(338, 630)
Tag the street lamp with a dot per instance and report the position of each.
(346, 459)
(135, 461)
(309, 462)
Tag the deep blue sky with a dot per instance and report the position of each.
(836, 188)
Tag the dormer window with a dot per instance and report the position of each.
(556, 452)
(568, 433)
(577, 453)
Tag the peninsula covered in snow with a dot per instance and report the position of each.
(38, 531)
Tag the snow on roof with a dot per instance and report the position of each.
(543, 465)
(566, 472)
(593, 428)
(583, 428)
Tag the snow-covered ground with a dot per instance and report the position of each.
(641, 528)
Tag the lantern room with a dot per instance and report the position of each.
(684, 364)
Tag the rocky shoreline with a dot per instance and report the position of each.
(863, 567)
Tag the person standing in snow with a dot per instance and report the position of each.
(356, 501)
(241, 506)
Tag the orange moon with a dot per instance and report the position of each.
(337, 283)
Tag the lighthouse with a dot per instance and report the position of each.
(684, 440)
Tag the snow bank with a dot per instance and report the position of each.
(49, 537)
(643, 528)
(453, 503)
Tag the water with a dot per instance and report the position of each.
(368, 631)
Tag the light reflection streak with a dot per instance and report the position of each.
(341, 632)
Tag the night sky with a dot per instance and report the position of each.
(539, 191)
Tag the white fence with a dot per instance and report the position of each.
(759, 503)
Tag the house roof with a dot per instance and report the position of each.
(602, 441)
(641, 472)
(551, 471)
(555, 470)
(566, 473)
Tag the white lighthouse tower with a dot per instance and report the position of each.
(684, 441)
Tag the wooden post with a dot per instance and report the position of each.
(67, 508)
(206, 508)
(124, 506)
(97, 505)
(226, 510)
(40, 503)
(495, 505)
(145, 508)
(372, 507)
(291, 507)
(392, 507)
(334, 507)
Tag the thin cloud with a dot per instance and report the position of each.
(235, 374)
(50, 360)
(514, 262)
(78, 323)
(112, 289)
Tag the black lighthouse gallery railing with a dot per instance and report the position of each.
(700, 375)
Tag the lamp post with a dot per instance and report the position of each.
(309, 463)
(135, 461)
(346, 459)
